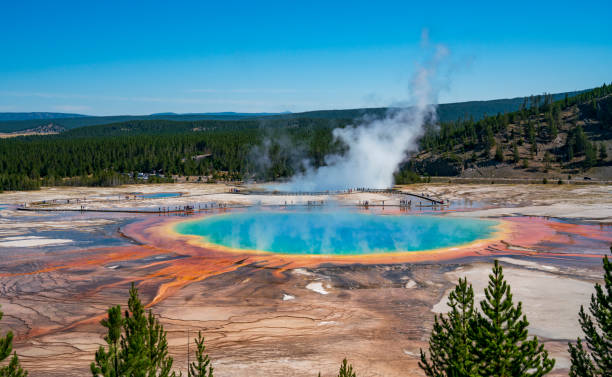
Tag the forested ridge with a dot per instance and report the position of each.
(567, 135)
(277, 147)
(112, 154)
(13, 122)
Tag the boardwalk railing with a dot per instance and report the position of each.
(55, 205)
(336, 192)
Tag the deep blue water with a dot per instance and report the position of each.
(343, 232)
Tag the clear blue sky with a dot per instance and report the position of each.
(130, 57)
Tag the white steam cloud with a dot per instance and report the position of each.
(378, 146)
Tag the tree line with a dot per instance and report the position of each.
(465, 342)
(109, 155)
(268, 149)
(537, 122)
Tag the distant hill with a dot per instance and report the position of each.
(479, 109)
(223, 114)
(446, 112)
(85, 121)
(37, 116)
(48, 129)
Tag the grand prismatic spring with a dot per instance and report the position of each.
(334, 232)
(286, 275)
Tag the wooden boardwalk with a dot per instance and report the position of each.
(337, 192)
(52, 206)
(35, 209)
(161, 211)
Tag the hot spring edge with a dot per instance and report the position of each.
(333, 233)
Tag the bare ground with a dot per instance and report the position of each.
(261, 323)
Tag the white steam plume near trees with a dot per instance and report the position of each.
(378, 146)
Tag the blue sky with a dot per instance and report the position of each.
(130, 57)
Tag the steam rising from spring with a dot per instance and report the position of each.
(378, 146)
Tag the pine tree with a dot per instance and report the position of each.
(133, 352)
(201, 367)
(107, 362)
(603, 153)
(501, 345)
(13, 369)
(499, 154)
(346, 370)
(137, 345)
(547, 160)
(160, 364)
(597, 328)
(515, 153)
(490, 137)
(450, 344)
(590, 155)
(554, 130)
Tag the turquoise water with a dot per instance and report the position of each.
(338, 233)
(159, 195)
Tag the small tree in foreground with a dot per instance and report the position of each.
(13, 369)
(450, 346)
(346, 370)
(494, 343)
(201, 367)
(500, 333)
(595, 360)
(136, 344)
(107, 362)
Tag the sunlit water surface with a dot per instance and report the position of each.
(159, 195)
(337, 233)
